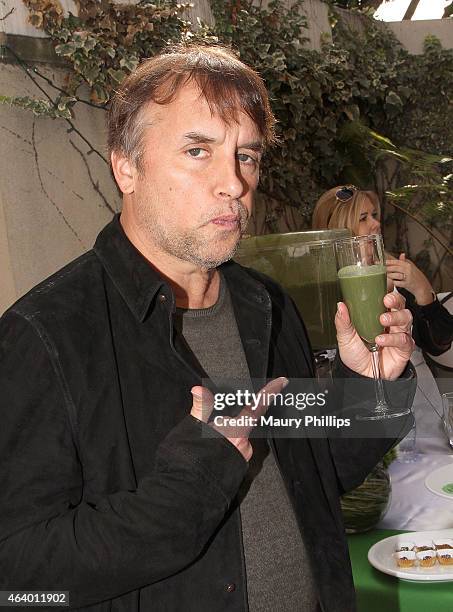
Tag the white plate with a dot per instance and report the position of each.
(438, 479)
(381, 557)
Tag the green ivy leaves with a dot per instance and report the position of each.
(317, 97)
(37, 107)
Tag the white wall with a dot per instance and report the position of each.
(411, 34)
(318, 23)
(50, 211)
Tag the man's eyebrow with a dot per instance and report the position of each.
(197, 137)
(257, 145)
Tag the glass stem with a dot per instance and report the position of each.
(378, 384)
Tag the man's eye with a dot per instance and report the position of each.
(246, 159)
(196, 152)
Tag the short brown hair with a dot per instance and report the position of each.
(332, 213)
(227, 84)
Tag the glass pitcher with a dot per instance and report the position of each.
(304, 264)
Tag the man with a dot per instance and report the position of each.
(111, 488)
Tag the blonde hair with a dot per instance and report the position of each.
(331, 213)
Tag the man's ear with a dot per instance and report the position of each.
(123, 171)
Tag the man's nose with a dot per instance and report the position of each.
(228, 181)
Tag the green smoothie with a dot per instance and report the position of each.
(363, 290)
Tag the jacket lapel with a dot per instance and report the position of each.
(253, 312)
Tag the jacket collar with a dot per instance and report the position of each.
(139, 283)
(133, 276)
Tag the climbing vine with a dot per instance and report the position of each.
(360, 77)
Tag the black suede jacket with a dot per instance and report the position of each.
(108, 489)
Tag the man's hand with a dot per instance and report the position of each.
(397, 345)
(203, 405)
(404, 273)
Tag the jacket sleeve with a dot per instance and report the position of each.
(357, 452)
(433, 325)
(353, 451)
(50, 537)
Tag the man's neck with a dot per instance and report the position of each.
(193, 287)
(196, 291)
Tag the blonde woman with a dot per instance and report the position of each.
(346, 206)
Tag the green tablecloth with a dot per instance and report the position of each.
(378, 592)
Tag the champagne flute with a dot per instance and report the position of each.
(363, 281)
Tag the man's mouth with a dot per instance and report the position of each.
(230, 222)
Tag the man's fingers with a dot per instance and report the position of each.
(266, 397)
(230, 428)
(397, 318)
(203, 403)
(401, 340)
(250, 415)
(268, 392)
(237, 429)
(394, 300)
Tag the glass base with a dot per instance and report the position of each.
(407, 457)
(382, 413)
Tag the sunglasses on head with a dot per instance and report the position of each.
(345, 193)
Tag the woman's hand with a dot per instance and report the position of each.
(397, 345)
(404, 273)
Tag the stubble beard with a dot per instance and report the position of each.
(190, 245)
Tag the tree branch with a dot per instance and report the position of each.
(41, 182)
(28, 72)
(411, 10)
(94, 183)
(52, 84)
(448, 11)
(7, 14)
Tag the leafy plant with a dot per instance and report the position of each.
(424, 85)
(428, 199)
(317, 97)
(106, 40)
(38, 107)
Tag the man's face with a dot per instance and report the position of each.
(194, 197)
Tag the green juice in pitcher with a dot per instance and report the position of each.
(317, 303)
(363, 290)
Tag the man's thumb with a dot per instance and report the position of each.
(343, 321)
(402, 257)
(203, 403)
